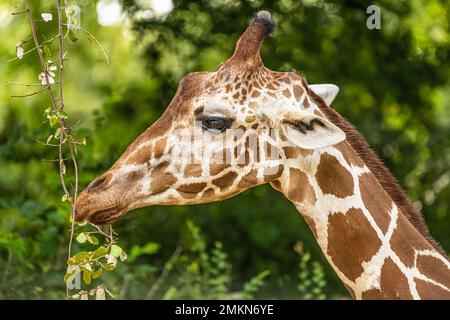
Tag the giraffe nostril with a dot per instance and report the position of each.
(96, 183)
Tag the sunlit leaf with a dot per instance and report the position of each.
(81, 238)
(47, 17)
(115, 250)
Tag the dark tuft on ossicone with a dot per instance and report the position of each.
(266, 20)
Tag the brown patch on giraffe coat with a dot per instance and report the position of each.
(373, 294)
(375, 200)
(191, 190)
(249, 180)
(434, 269)
(298, 92)
(163, 183)
(141, 156)
(250, 119)
(276, 184)
(349, 155)
(306, 103)
(160, 145)
(193, 170)
(429, 291)
(287, 93)
(405, 239)
(286, 80)
(159, 169)
(333, 178)
(351, 241)
(300, 190)
(394, 283)
(215, 169)
(291, 152)
(225, 181)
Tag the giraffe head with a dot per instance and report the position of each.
(223, 132)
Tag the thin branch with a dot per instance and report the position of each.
(18, 12)
(92, 36)
(31, 84)
(53, 160)
(30, 94)
(32, 49)
(47, 144)
(37, 45)
(61, 58)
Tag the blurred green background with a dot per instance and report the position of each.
(395, 88)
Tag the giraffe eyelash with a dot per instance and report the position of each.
(303, 126)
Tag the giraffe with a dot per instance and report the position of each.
(245, 125)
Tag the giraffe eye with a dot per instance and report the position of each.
(216, 124)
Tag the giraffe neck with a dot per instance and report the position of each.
(371, 245)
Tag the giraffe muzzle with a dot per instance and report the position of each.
(99, 207)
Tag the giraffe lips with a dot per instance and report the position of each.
(107, 216)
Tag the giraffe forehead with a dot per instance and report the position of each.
(250, 91)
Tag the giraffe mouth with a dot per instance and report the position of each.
(107, 216)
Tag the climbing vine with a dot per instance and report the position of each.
(102, 252)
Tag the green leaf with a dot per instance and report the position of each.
(54, 121)
(123, 256)
(136, 251)
(100, 252)
(72, 271)
(62, 114)
(109, 266)
(116, 251)
(73, 35)
(91, 239)
(81, 238)
(87, 276)
(97, 273)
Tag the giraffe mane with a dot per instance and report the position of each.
(386, 179)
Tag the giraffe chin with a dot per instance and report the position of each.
(108, 216)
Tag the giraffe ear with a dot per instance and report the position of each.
(309, 131)
(327, 92)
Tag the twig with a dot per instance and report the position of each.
(18, 12)
(30, 94)
(38, 46)
(53, 160)
(92, 36)
(164, 274)
(32, 49)
(31, 84)
(61, 58)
